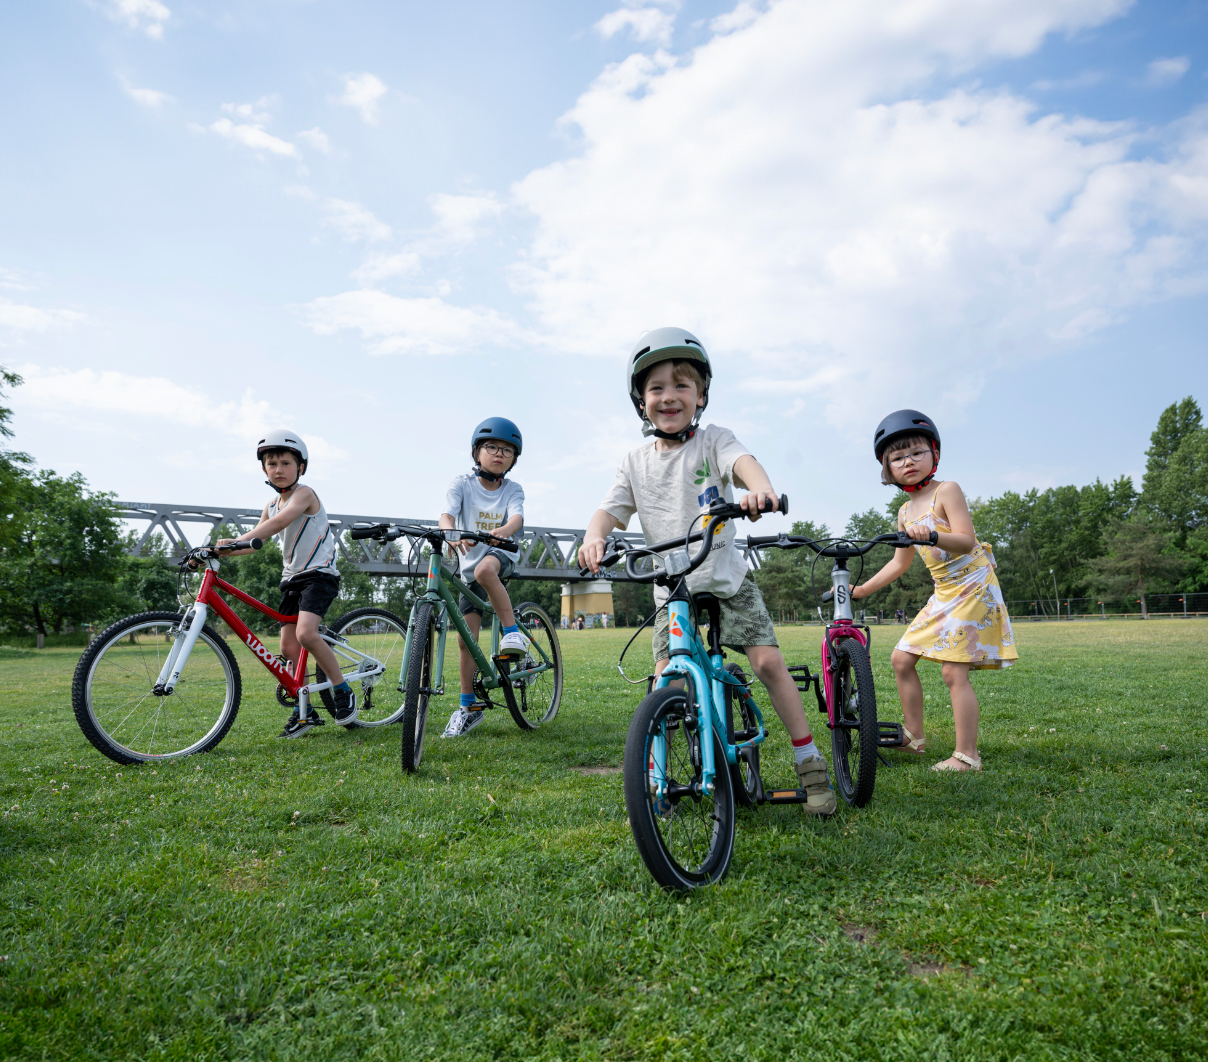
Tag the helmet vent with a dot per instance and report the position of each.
(644, 350)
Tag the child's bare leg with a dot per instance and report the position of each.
(310, 639)
(486, 575)
(910, 690)
(465, 662)
(290, 649)
(964, 708)
(768, 664)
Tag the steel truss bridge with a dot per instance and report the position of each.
(545, 552)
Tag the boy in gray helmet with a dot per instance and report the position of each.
(668, 482)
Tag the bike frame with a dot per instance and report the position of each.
(843, 625)
(707, 681)
(194, 620)
(442, 590)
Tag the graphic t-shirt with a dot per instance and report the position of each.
(669, 489)
(474, 508)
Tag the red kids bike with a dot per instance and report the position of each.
(846, 695)
(159, 685)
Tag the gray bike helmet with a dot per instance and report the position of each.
(284, 439)
(666, 344)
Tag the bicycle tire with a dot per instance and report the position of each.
(419, 679)
(744, 774)
(381, 634)
(536, 701)
(116, 710)
(855, 750)
(683, 849)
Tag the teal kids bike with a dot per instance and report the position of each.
(531, 686)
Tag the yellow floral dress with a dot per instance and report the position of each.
(966, 618)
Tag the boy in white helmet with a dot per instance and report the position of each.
(486, 499)
(669, 482)
(310, 580)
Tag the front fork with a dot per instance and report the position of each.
(187, 635)
(438, 662)
(682, 664)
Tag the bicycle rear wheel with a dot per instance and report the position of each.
(381, 635)
(538, 694)
(744, 774)
(419, 684)
(855, 745)
(115, 708)
(686, 839)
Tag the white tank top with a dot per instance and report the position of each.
(307, 544)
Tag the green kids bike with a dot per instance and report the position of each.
(531, 686)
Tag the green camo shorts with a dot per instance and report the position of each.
(744, 621)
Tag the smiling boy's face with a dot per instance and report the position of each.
(670, 403)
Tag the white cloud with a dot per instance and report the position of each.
(800, 195)
(353, 222)
(1163, 72)
(317, 139)
(384, 266)
(644, 22)
(146, 15)
(254, 137)
(743, 15)
(394, 325)
(363, 92)
(21, 317)
(146, 97)
(458, 216)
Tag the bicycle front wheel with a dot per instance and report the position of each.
(115, 708)
(537, 676)
(419, 684)
(685, 838)
(382, 637)
(854, 743)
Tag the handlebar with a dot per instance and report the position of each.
(214, 552)
(389, 532)
(841, 548)
(719, 512)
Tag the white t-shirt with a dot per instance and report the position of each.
(474, 508)
(671, 488)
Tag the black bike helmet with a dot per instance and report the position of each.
(501, 430)
(666, 344)
(908, 422)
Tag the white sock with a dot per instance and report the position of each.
(800, 755)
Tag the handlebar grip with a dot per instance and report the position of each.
(257, 543)
(828, 597)
(363, 532)
(755, 541)
(783, 507)
(934, 538)
(506, 545)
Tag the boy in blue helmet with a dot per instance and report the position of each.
(669, 482)
(485, 499)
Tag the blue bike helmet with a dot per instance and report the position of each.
(502, 430)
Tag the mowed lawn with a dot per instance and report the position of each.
(305, 900)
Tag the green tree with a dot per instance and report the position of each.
(151, 581)
(256, 574)
(14, 475)
(1139, 560)
(65, 566)
(1175, 424)
(1175, 487)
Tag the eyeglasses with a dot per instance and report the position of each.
(499, 451)
(914, 457)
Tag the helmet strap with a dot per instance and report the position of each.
(490, 477)
(935, 464)
(649, 429)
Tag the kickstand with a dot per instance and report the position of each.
(881, 757)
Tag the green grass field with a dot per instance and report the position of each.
(304, 900)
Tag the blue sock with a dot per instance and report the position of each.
(513, 629)
(343, 686)
(467, 699)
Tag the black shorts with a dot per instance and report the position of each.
(506, 566)
(309, 592)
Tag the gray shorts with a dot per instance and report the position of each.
(506, 566)
(744, 621)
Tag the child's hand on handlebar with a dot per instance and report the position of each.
(757, 501)
(858, 592)
(591, 553)
(920, 533)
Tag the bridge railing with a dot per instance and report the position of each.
(545, 552)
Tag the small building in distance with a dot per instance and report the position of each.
(591, 600)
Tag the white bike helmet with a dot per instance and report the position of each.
(666, 344)
(284, 439)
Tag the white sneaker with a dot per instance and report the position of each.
(461, 722)
(514, 644)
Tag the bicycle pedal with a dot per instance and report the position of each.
(889, 735)
(785, 796)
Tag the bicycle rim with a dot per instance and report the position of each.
(382, 636)
(854, 747)
(122, 717)
(538, 693)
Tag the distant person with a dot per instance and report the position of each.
(965, 624)
(310, 580)
(486, 499)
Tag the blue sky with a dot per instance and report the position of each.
(378, 223)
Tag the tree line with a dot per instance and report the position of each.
(65, 562)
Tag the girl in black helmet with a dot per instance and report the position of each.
(965, 624)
